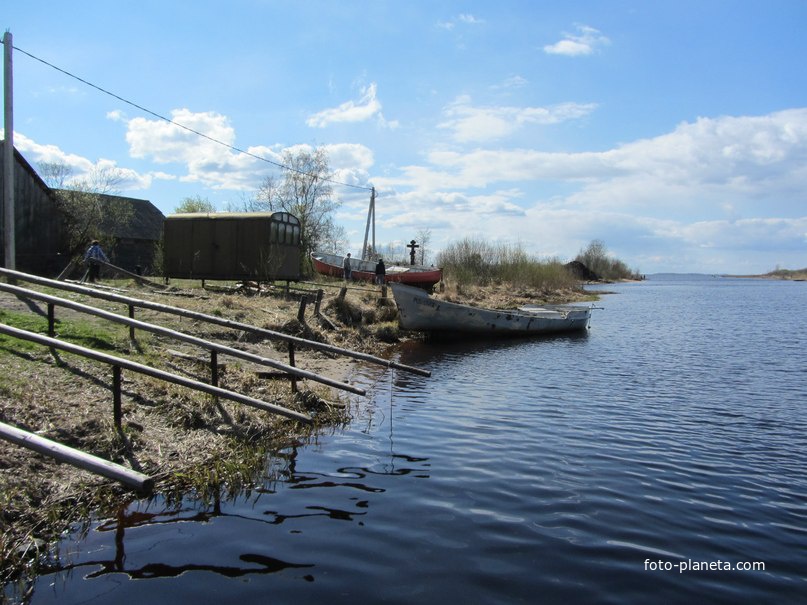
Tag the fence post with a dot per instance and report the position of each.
(51, 320)
(131, 328)
(117, 414)
(291, 363)
(301, 312)
(320, 294)
(214, 368)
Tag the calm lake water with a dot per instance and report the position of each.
(610, 467)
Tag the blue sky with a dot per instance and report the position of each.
(674, 131)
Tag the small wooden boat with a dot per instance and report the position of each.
(364, 270)
(419, 311)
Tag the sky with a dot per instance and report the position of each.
(674, 131)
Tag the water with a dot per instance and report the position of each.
(570, 469)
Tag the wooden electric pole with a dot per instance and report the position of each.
(370, 215)
(9, 222)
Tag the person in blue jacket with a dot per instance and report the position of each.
(94, 253)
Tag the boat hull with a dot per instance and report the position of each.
(419, 311)
(331, 264)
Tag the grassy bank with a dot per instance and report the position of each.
(477, 262)
(188, 441)
(789, 274)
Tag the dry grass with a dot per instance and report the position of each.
(184, 439)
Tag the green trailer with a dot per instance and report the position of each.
(258, 246)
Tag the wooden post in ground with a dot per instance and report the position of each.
(117, 413)
(131, 328)
(301, 312)
(291, 363)
(214, 368)
(51, 320)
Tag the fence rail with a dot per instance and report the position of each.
(147, 327)
(77, 458)
(265, 333)
(120, 362)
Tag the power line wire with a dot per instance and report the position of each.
(196, 132)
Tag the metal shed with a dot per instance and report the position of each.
(259, 246)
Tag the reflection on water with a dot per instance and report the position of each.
(554, 469)
(115, 562)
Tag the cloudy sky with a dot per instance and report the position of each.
(675, 131)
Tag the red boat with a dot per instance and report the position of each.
(364, 270)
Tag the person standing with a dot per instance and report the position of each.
(348, 268)
(93, 254)
(380, 272)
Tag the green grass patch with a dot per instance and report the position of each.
(78, 332)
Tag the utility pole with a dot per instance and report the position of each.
(9, 221)
(370, 214)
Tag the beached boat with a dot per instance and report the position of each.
(364, 270)
(419, 311)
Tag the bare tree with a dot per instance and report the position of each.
(55, 174)
(304, 191)
(89, 212)
(335, 240)
(424, 239)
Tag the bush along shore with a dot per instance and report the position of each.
(189, 442)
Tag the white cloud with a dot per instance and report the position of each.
(746, 156)
(81, 167)
(720, 194)
(475, 124)
(206, 162)
(470, 19)
(165, 142)
(704, 195)
(210, 160)
(366, 108)
(586, 41)
(512, 82)
(37, 153)
(462, 19)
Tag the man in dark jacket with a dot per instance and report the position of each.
(380, 272)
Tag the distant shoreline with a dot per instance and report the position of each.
(780, 274)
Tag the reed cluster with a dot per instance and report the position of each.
(474, 260)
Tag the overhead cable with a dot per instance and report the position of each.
(196, 132)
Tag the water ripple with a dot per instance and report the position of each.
(554, 469)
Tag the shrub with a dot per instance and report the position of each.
(475, 261)
(597, 258)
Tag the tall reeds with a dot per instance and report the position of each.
(475, 261)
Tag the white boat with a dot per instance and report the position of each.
(419, 311)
